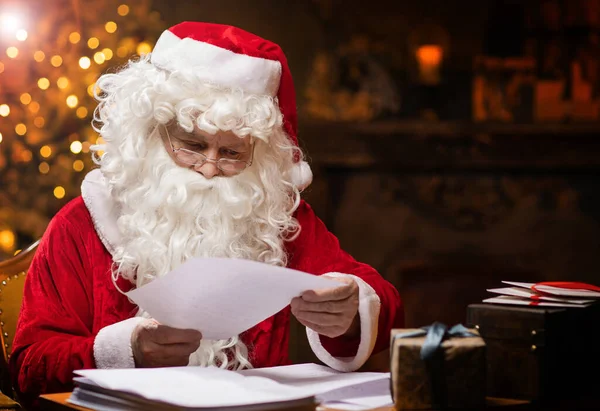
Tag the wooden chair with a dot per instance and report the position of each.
(12, 281)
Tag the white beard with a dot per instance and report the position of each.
(168, 214)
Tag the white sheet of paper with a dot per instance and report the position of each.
(507, 299)
(223, 297)
(317, 378)
(348, 391)
(525, 293)
(565, 292)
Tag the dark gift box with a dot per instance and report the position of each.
(437, 367)
(539, 354)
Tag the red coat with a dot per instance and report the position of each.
(69, 297)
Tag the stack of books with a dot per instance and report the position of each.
(546, 294)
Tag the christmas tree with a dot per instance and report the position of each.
(51, 56)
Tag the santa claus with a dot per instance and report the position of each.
(201, 160)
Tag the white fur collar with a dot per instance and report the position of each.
(97, 199)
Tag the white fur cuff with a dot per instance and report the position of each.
(368, 310)
(112, 346)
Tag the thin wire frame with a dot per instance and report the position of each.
(195, 159)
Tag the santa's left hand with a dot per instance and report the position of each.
(331, 312)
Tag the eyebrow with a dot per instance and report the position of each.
(182, 135)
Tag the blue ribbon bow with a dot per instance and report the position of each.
(433, 356)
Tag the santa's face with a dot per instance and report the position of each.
(223, 154)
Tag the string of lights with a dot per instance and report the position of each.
(50, 60)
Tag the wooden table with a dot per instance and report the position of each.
(58, 402)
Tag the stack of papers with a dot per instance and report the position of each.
(564, 294)
(199, 388)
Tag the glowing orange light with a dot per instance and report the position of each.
(44, 83)
(143, 48)
(123, 10)
(72, 101)
(74, 37)
(25, 98)
(44, 167)
(59, 192)
(110, 27)
(430, 55)
(39, 56)
(21, 129)
(93, 43)
(12, 52)
(56, 61)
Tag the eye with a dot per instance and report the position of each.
(230, 153)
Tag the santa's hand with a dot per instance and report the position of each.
(330, 312)
(156, 345)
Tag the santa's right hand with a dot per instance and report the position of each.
(157, 345)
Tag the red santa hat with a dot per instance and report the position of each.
(234, 58)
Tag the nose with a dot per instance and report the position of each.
(208, 169)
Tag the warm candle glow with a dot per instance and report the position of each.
(430, 57)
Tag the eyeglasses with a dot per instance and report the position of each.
(196, 159)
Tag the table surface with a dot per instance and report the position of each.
(58, 402)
